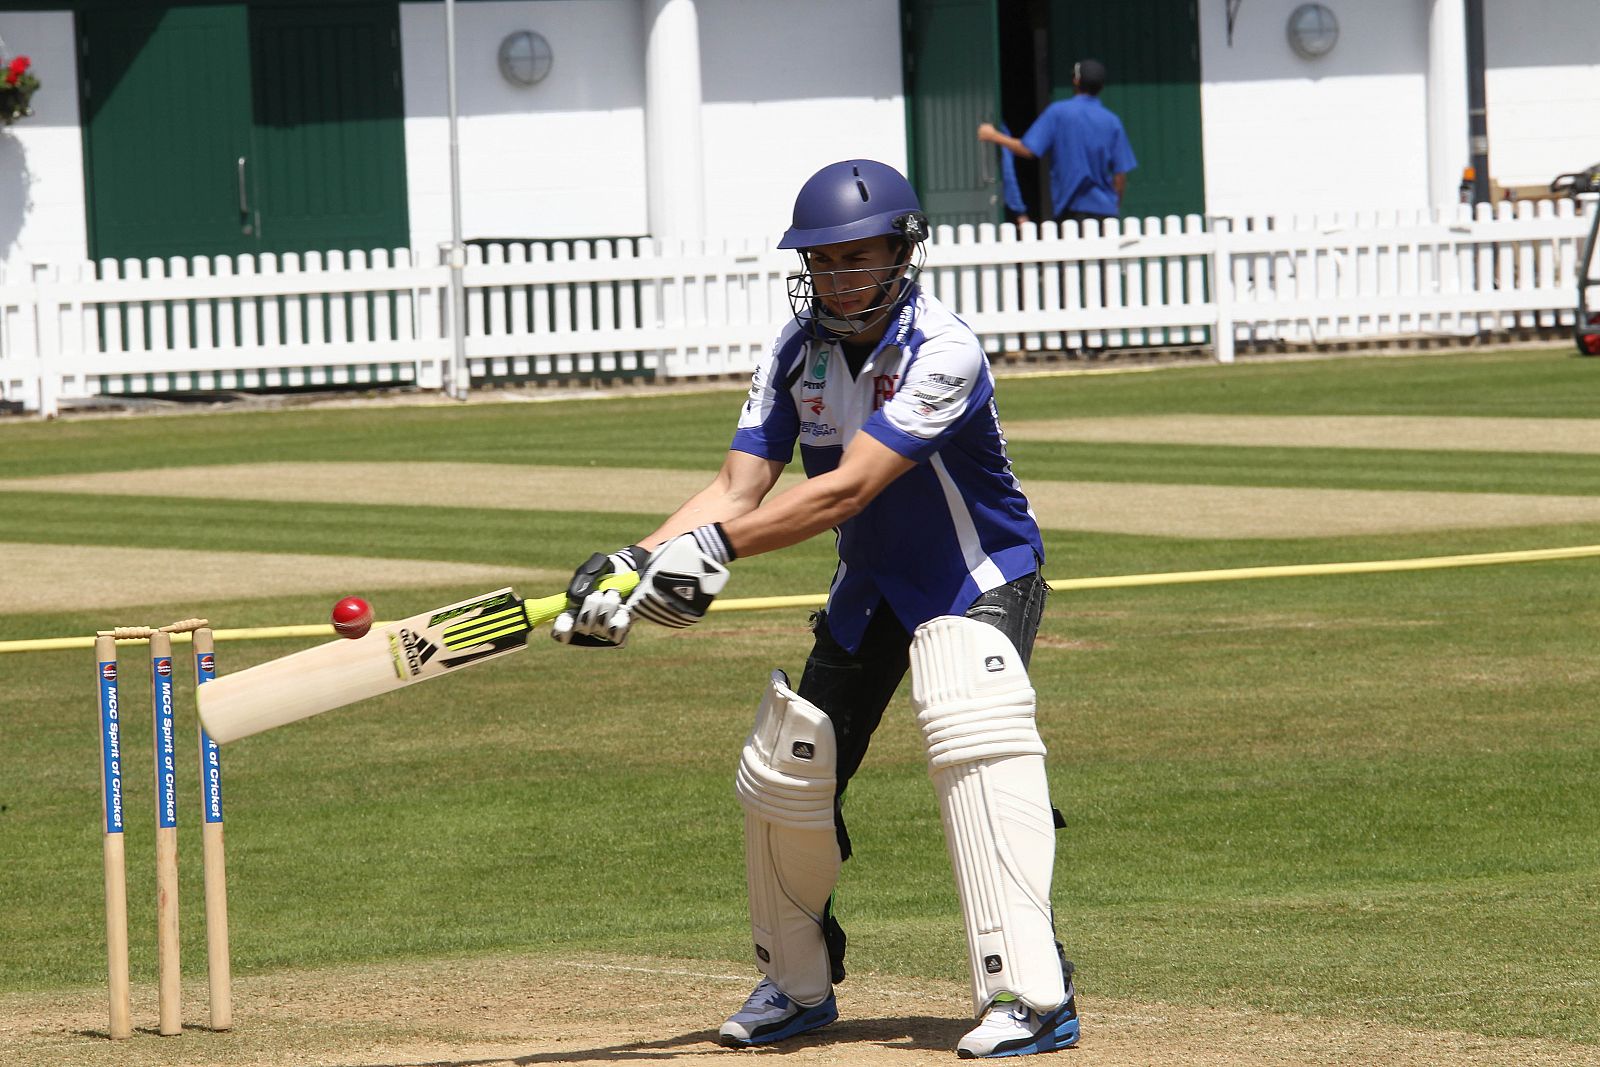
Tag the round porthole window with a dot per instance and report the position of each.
(1313, 31)
(525, 58)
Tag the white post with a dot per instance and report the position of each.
(1222, 288)
(459, 375)
(46, 340)
(673, 148)
(1448, 151)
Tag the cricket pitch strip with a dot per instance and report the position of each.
(524, 1010)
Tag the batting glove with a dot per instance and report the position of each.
(682, 577)
(595, 618)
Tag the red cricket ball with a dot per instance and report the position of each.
(352, 617)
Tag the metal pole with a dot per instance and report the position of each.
(459, 375)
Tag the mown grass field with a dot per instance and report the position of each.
(1341, 798)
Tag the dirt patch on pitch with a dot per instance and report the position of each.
(1197, 511)
(69, 577)
(498, 486)
(522, 1011)
(1406, 432)
(1228, 512)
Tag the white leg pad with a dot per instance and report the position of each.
(976, 709)
(786, 783)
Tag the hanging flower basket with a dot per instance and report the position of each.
(17, 86)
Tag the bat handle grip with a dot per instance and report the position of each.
(547, 608)
(622, 583)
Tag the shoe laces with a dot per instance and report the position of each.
(1009, 1011)
(766, 994)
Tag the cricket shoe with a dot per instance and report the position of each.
(769, 1015)
(1011, 1028)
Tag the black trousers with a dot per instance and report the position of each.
(854, 688)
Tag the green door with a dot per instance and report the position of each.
(329, 164)
(166, 100)
(229, 128)
(952, 53)
(1151, 49)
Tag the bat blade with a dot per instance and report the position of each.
(390, 657)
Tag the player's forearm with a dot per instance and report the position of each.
(808, 509)
(717, 502)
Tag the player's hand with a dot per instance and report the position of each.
(682, 578)
(986, 131)
(595, 618)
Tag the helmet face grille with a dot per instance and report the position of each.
(889, 285)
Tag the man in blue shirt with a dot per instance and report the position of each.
(888, 398)
(1085, 144)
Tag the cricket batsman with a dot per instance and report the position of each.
(890, 400)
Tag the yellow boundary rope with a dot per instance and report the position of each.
(1119, 581)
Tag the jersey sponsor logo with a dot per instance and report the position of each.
(819, 367)
(818, 429)
(883, 386)
(902, 328)
(815, 404)
(951, 380)
(935, 395)
(758, 385)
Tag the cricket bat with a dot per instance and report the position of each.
(391, 656)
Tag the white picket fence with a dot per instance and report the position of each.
(661, 310)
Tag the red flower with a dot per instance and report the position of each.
(20, 64)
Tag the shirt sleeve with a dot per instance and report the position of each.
(1041, 136)
(1008, 180)
(1122, 160)
(948, 382)
(768, 422)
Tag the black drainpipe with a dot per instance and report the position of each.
(1477, 104)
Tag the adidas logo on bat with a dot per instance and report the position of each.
(410, 651)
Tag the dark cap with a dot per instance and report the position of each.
(1089, 75)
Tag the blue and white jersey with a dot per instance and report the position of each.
(955, 526)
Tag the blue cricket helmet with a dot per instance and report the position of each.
(852, 199)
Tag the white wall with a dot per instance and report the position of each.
(563, 158)
(42, 213)
(566, 157)
(789, 88)
(1285, 134)
(1543, 88)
